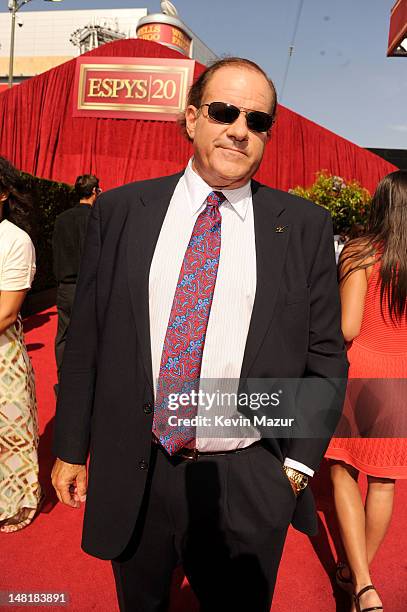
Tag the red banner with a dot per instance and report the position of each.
(398, 26)
(166, 34)
(132, 88)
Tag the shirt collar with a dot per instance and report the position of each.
(198, 190)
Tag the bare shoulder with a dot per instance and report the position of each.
(356, 254)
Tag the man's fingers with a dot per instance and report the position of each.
(81, 485)
(67, 496)
(65, 479)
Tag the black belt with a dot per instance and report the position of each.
(192, 454)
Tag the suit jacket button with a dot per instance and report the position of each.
(148, 407)
(143, 465)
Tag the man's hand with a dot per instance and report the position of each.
(70, 482)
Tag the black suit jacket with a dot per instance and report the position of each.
(106, 390)
(68, 240)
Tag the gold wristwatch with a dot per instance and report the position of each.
(298, 479)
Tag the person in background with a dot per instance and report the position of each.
(67, 246)
(356, 231)
(20, 491)
(373, 288)
(339, 242)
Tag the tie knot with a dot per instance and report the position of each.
(215, 198)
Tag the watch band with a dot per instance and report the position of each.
(297, 478)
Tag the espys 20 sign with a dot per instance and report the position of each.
(132, 88)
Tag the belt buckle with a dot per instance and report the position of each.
(194, 454)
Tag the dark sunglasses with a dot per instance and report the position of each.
(222, 112)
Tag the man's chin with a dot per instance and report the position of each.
(226, 175)
(229, 174)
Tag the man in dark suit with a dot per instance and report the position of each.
(199, 276)
(67, 246)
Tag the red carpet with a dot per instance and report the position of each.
(46, 557)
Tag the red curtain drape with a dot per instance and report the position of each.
(40, 136)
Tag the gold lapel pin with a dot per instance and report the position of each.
(280, 228)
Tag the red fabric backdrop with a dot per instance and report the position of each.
(39, 135)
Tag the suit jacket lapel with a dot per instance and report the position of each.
(145, 220)
(271, 235)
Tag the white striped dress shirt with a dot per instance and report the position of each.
(233, 297)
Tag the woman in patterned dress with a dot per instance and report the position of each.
(20, 492)
(373, 287)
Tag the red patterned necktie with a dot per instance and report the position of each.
(184, 341)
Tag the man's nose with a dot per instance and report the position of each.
(238, 129)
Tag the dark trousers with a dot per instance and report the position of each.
(224, 518)
(65, 298)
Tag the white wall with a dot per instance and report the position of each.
(47, 33)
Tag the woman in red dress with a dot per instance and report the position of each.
(369, 439)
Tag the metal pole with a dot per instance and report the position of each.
(14, 10)
(14, 7)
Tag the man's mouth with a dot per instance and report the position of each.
(234, 150)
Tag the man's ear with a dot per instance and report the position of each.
(191, 116)
(4, 195)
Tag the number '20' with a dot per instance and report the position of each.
(166, 90)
